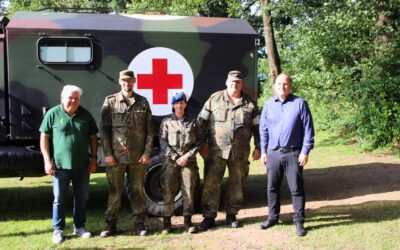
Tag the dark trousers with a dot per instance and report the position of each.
(279, 164)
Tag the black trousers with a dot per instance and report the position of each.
(285, 163)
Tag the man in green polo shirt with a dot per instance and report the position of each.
(67, 132)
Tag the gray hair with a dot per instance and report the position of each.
(71, 89)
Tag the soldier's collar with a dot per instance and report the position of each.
(120, 97)
(228, 99)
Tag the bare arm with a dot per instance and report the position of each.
(93, 152)
(49, 166)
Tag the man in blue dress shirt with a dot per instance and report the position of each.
(286, 138)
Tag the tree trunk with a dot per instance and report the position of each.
(270, 45)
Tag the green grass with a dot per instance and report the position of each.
(25, 215)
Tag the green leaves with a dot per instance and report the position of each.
(350, 80)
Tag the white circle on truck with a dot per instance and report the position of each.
(161, 72)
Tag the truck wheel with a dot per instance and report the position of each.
(154, 190)
(21, 162)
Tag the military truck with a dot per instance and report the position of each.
(40, 52)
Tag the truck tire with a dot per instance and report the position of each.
(154, 190)
(21, 162)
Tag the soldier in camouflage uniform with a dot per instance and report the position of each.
(229, 118)
(180, 140)
(126, 138)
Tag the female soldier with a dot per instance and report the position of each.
(180, 140)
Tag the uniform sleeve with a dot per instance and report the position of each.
(105, 128)
(203, 118)
(149, 132)
(166, 149)
(199, 139)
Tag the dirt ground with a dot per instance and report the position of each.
(377, 179)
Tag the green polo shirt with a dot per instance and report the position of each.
(69, 136)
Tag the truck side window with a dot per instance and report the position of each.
(65, 50)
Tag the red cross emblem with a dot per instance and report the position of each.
(159, 81)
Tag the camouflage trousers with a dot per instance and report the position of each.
(136, 174)
(213, 174)
(183, 177)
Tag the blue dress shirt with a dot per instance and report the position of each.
(286, 124)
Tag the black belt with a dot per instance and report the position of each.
(286, 150)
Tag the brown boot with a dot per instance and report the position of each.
(188, 224)
(110, 228)
(139, 228)
(167, 225)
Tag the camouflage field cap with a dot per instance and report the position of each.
(126, 74)
(179, 96)
(235, 75)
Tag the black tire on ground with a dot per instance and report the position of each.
(21, 161)
(154, 189)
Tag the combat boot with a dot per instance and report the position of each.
(110, 228)
(231, 221)
(188, 224)
(206, 224)
(167, 225)
(139, 229)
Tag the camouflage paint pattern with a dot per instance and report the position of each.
(213, 174)
(177, 138)
(221, 44)
(126, 133)
(125, 129)
(136, 179)
(183, 177)
(228, 128)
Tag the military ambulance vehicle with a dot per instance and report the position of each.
(40, 52)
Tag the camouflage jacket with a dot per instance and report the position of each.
(126, 128)
(228, 126)
(178, 137)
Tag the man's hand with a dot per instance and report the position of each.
(92, 166)
(110, 161)
(303, 159)
(264, 158)
(182, 161)
(204, 150)
(144, 159)
(49, 167)
(256, 154)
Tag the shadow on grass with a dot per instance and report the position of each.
(342, 139)
(368, 212)
(331, 183)
(24, 203)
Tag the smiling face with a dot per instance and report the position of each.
(71, 101)
(283, 86)
(179, 107)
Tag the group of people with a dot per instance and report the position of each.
(283, 137)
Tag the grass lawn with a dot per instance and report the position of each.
(25, 216)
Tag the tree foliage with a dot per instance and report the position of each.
(345, 64)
